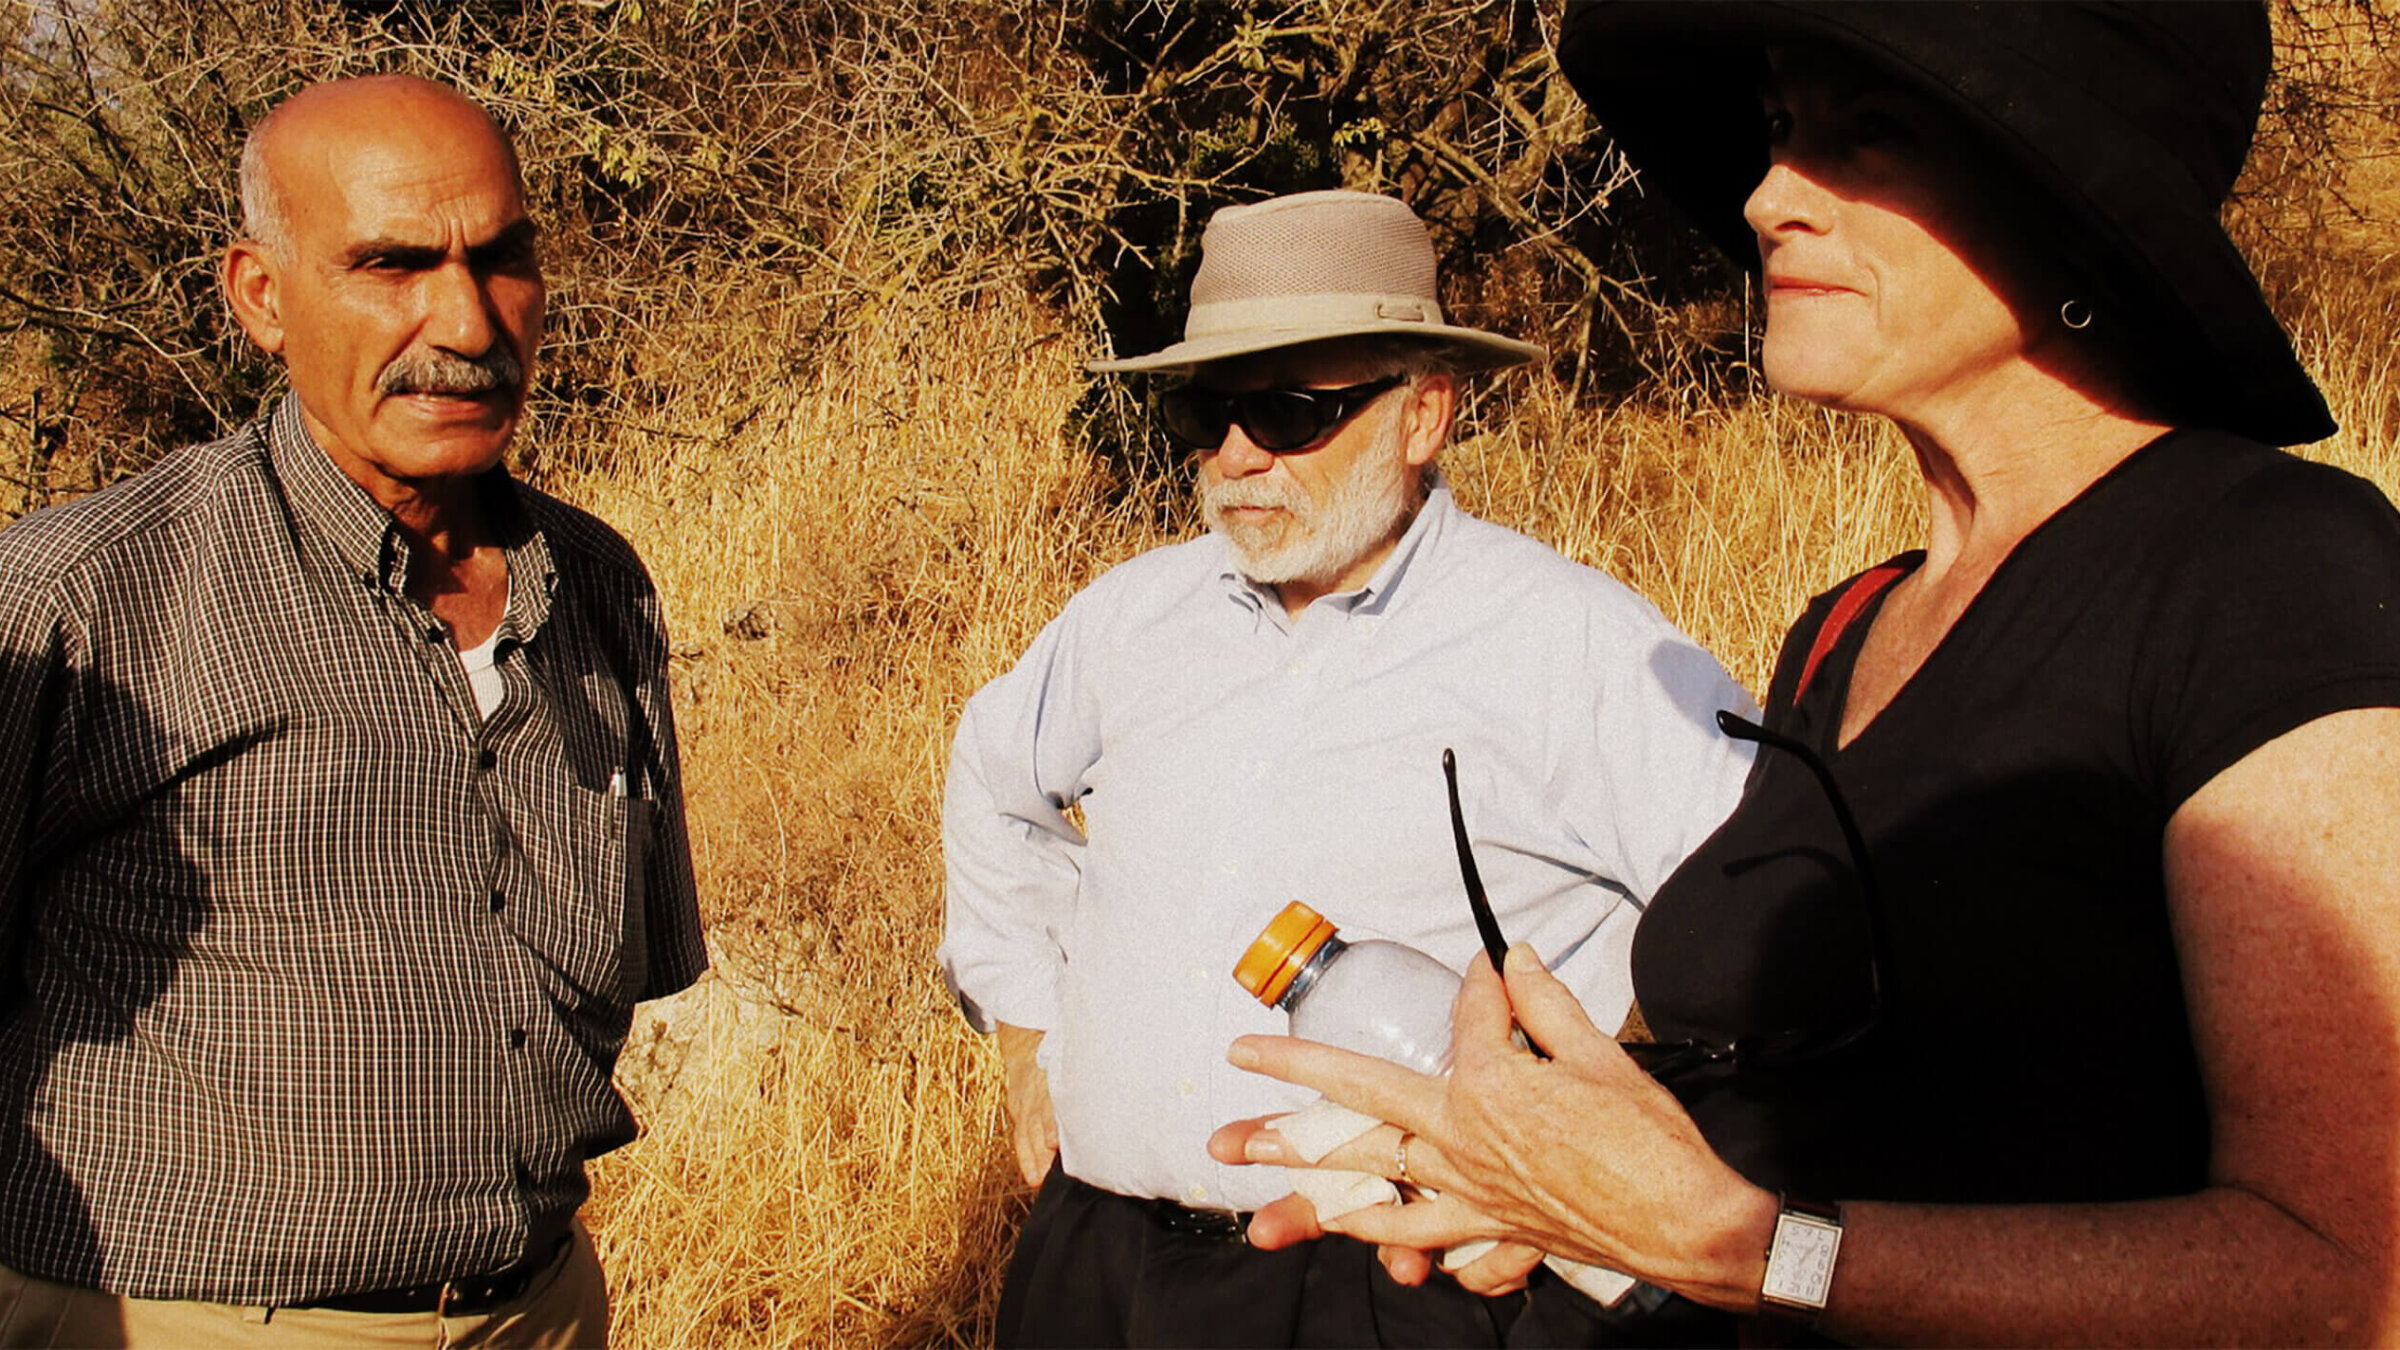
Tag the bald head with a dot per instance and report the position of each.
(339, 117)
(390, 262)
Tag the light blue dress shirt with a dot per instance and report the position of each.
(1228, 759)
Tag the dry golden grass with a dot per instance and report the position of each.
(852, 535)
(848, 550)
(844, 557)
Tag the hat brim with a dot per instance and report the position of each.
(1472, 350)
(1676, 85)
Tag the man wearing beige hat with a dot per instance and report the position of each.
(1258, 716)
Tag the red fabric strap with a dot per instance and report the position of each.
(1861, 592)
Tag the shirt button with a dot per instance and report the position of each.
(1199, 974)
(516, 1038)
(1185, 1087)
(485, 759)
(499, 902)
(1198, 1192)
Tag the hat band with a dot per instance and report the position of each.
(1301, 313)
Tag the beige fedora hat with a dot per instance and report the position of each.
(1312, 266)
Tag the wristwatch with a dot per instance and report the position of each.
(1808, 1236)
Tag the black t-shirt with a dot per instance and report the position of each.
(2204, 597)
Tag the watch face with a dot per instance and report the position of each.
(1800, 1263)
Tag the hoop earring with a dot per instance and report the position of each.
(2075, 314)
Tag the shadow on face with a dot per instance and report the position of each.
(1906, 268)
(1331, 364)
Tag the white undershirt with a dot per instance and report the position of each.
(483, 675)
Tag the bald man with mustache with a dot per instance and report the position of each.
(340, 817)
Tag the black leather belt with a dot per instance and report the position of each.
(469, 1297)
(1224, 1225)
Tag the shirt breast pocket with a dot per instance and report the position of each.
(612, 889)
(640, 820)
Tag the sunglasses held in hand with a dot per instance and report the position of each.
(1788, 1048)
(1487, 925)
(1803, 1047)
(1278, 421)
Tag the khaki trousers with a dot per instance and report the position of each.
(566, 1309)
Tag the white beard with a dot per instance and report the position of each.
(1313, 541)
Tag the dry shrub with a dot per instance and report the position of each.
(826, 272)
(845, 556)
(847, 566)
(1728, 519)
(835, 154)
(690, 159)
(841, 1176)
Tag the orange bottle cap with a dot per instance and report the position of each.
(1282, 950)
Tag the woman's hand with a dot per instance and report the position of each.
(1433, 1221)
(1581, 1154)
(1293, 1219)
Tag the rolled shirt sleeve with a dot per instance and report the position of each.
(1013, 858)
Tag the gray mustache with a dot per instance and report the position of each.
(448, 373)
(1248, 492)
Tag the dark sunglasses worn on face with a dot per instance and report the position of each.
(1278, 421)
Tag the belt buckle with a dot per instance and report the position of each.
(477, 1295)
(480, 1294)
(1221, 1225)
(470, 1296)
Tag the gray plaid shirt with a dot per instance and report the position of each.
(312, 979)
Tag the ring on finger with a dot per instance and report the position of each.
(1400, 1158)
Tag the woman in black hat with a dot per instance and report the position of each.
(2046, 983)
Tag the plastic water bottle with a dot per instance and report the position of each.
(1377, 998)
(1383, 999)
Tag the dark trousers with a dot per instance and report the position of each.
(1097, 1269)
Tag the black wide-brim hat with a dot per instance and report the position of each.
(2131, 119)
